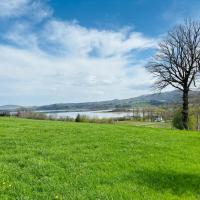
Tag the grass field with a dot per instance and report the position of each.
(58, 160)
(167, 125)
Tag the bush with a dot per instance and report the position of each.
(178, 123)
(67, 119)
(82, 118)
(42, 116)
(32, 115)
(85, 118)
(177, 120)
(4, 114)
(78, 118)
(192, 122)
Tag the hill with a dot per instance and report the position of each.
(10, 107)
(59, 160)
(158, 99)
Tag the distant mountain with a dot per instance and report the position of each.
(10, 107)
(158, 99)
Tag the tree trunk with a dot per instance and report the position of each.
(185, 111)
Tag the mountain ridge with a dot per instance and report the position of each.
(156, 99)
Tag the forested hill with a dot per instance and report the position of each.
(158, 99)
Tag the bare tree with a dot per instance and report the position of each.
(177, 62)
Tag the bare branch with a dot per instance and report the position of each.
(177, 62)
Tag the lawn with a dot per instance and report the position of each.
(57, 160)
(148, 124)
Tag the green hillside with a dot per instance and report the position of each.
(57, 160)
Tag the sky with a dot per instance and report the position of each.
(58, 51)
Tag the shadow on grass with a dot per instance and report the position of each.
(173, 182)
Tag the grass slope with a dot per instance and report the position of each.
(56, 160)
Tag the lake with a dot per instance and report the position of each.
(90, 114)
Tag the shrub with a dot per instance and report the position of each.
(67, 119)
(78, 118)
(177, 121)
(4, 114)
(85, 118)
(32, 115)
(192, 122)
(41, 116)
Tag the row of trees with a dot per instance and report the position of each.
(177, 62)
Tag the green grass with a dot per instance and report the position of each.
(57, 160)
(148, 124)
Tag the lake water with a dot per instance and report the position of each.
(91, 114)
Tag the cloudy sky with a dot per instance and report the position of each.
(55, 51)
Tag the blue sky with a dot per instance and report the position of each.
(112, 14)
(81, 50)
(148, 16)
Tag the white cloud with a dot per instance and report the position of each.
(31, 8)
(12, 7)
(20, 34)
(79, 40)
(66, 62)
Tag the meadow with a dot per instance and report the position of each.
(65, 160)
